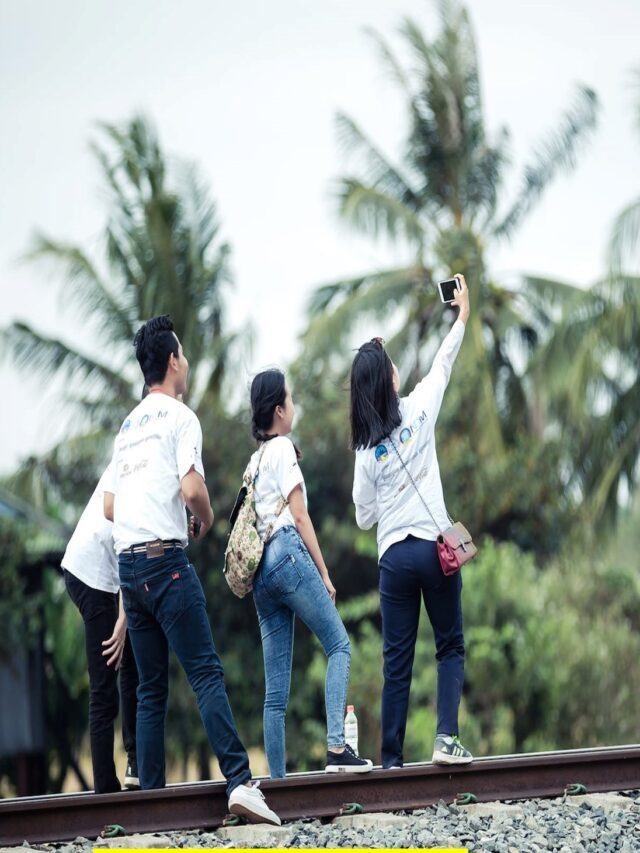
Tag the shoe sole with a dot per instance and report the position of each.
(444, 758)
(253, 816)
(130, 786)
(349, 768)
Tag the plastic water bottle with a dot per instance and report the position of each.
(351, 729)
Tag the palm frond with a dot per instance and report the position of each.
(553, 154)
(636, 90)
(379, 172)
(327, 330)
(374, 212)
(83, 286)
(390, 60)
(624, 243)
(34, 352)
(325, 295)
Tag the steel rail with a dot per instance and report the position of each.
(63, 817)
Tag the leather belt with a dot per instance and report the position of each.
(155, 548)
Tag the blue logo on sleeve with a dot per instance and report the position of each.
(382, 453)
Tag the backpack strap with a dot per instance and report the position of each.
(282, 502)
(247, 478)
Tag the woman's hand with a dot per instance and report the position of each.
(326, 580)
(114, 646)
(462, 298)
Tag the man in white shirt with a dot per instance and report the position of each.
(91, 577)
(157, 469)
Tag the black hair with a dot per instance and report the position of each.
(155, 341)
(145, 391)
(268, 391)
(375, 408)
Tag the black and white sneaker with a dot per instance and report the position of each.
(347, 762)
(131, 780)
(447, 749)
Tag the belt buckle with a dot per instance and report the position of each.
(154, 549)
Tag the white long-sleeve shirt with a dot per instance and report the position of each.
(382, 490)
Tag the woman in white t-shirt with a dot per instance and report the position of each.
(394, 440)
(292, 579)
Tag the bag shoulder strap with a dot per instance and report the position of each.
(415, 486)
(283, 501)
(248, 479)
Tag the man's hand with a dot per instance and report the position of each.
(196, 497)
(114, 646)
(196, 528)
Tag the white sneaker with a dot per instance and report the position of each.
(248, 801)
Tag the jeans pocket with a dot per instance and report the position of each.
(284, 578)
(165, 595)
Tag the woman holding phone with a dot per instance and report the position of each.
(394, 440)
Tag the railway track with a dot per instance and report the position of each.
(63, 817)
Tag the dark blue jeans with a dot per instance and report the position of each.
(409, 571)
(165, 606)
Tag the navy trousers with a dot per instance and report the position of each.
(410, 570)
(165, 607)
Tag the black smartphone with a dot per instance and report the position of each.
(448, 289)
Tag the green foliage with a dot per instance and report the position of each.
(19, 602)
(552, 657)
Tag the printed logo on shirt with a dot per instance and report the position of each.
(408, 433)
(405, 436)
(126, 425)
(382, 454)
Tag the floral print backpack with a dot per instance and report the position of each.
(245, 546)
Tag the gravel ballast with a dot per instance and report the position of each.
(598, 823)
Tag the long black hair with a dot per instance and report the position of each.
(375, 408)
(268, 390)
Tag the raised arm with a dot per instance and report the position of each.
(434, 384)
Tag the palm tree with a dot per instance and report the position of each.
(595, 394)
(443, 204)
(625, 235)
(162, 253)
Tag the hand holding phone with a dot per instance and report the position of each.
(454, 291)
(448, 289)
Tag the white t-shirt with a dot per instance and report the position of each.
(90, 556)
(382, 490)
(158, 444)
(279, 474)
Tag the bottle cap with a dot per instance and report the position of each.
(349, 709)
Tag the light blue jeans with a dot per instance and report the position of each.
(287, 584)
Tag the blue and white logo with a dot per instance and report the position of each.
(382, 454)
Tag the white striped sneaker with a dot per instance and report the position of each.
(447, 749)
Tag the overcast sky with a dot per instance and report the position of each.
(250, 90)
